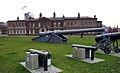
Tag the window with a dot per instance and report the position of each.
(64, 24)
(43, 24)
(12, 31)
(89, 23)
(33, 31)
(12, 25)
(71, 23)
(58, 24)
(29, 31)
(54, 24)
(16, 31)
(29, 24)
(85, 24)
(22, 31)
(22, 24)
(19, 24)
(9, 31)
(9, 24)
(68, 23)
(75, 23)
(25, 31)
(39, 25)
(33, 24)
(16, 25)
(19, 31)
(81, 23)
(48, 24)
(93, 23)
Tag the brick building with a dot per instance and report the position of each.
(111, 30)
(3, 28)
(33, 26)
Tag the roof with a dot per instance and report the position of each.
(1, 22)
(16, 20)
(81, 18)
(56, 18)
(71, 18)
(42, 18)
(3, 25)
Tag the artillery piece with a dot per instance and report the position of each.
(108, 42)
(58, 35)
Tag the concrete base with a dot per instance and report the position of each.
(51, 69)
(112, 53)
(88, 60)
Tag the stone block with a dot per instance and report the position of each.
(27, 59)
(74, 52)
(33, 61)
(81, 53)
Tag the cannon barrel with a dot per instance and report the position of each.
(62, 32)
(41, 53)
(112, 36)
(57, 36)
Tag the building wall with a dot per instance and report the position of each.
(16, 27)
(80, 24)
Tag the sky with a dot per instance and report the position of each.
(107, 11)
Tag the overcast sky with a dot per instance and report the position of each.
(107, 11)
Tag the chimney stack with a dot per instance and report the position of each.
(40, 15)
(78, 15)
(54, 15)
(94, 16)
(17, 18)
(63, 16)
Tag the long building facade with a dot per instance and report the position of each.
(33, 26)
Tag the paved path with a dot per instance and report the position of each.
(51, 69)
(112, 53)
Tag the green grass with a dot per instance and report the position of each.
(12, 52)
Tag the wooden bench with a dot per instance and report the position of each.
(87, 50)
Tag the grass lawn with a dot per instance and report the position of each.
(12, 52)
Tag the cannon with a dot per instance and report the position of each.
(108, 42)
(57, 36)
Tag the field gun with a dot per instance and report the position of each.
(108, 42)
(57, 36)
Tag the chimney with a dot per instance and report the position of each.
(78, 15)
(40, 15)
(54, 15)
(117, 28)
(63, 16)
(94, 16)
(17, 18)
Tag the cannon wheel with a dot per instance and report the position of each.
(107, 49)
(116, 50)
(115, 45)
